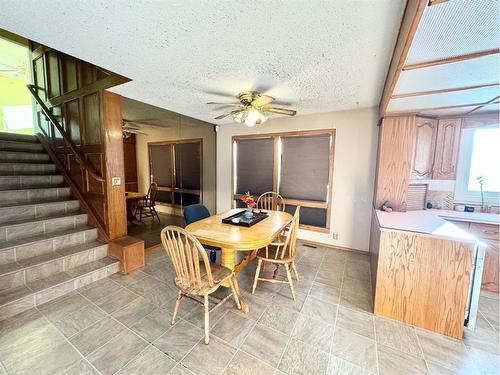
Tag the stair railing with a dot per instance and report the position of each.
(80, 157)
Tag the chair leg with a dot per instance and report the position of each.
(275, 273)
(157, 216)
(290, 282)
(207, 321)
(177, 304)
(257, 272)
(232, 283)
(294, 268)
(140, 215)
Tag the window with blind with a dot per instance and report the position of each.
(176, 166)
(297, 165)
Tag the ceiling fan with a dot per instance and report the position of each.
(129, 127)
(253, 108)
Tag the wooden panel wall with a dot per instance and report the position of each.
(423, 280)
(397, 135)
(74, 91)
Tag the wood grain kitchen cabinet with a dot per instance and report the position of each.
(446, 149)
(423, 148)
(489, 234)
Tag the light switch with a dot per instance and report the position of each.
(117, 181)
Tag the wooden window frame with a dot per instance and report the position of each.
(294, 202)
(174, 189)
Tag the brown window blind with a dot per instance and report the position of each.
(254, 165)
(187, 165)
(161, 165)
(305, 167)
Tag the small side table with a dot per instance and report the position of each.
(129, 251)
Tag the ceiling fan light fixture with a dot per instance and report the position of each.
(251, 117)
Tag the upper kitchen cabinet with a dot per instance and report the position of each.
(446, 154)
(424, 146)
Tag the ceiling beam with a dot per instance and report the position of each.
(440, 91)
(420, 110)
(411, 18)
(435, 2)
(492, 101)
(451, 59)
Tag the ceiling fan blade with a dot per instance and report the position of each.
(281, 111)
(262, 100)
(228, 104)
(227, 114)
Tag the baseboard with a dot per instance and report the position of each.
(336, 247)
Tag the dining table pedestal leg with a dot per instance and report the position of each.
(228, 260)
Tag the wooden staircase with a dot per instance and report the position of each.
(47, 248)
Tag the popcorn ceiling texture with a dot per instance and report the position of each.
(319, 56)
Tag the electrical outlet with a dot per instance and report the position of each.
(335, 236)
(116, 181)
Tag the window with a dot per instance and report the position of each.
(298, 165)
(479, 158)
(17, 117)
(176, 166)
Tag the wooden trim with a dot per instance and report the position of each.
(411, 18)
(481, 106)
(419, 110)
(451, 59)
(297, 133)
(113, 156)
(295, 202)
(315, 229)
(174, 189)
(179, 190)
(93, 216)
(435, 2)
(331, 246)
(176, 141)
(102, 84)
(440, 91)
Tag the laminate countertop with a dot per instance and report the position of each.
(435, 222)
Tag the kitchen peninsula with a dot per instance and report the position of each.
(427, 268)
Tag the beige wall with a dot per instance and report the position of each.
(353, 170)
(189, 129)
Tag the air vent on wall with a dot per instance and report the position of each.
(417, 195)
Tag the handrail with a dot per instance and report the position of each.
(80, 157)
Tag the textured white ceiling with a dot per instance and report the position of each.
(316, 55)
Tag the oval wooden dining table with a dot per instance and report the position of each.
(232, 238)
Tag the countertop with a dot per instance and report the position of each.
(435, 222)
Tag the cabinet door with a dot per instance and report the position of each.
(423, 148)
(448, 142)
(491, 267)
(488, 233)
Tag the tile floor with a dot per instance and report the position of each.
(150, 229)
(121, 325)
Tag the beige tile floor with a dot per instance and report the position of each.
(122, 325)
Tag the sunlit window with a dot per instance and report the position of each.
(479, 165)
(17, 117)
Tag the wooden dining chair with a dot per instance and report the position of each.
(147, 207)
(271, 201)
(280, 255)
(194, 276)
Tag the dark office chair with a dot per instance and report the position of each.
(147, 208)
(197, 212)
